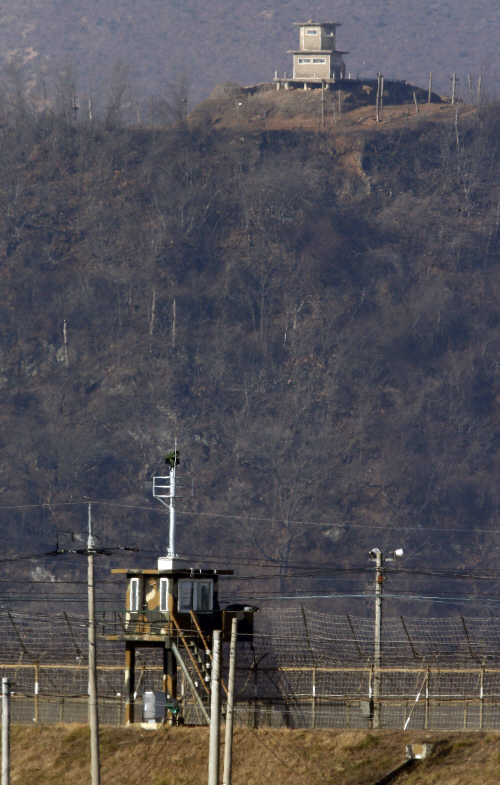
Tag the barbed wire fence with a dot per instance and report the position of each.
(302, 669)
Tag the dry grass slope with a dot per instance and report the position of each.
(59, 755)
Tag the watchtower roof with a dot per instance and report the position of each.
(317, 24)
(190, 573)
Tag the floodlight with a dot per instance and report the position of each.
(374, 553)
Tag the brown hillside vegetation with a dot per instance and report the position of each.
(313, 314)
(59, 755)
(245, 42)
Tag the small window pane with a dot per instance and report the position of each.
(319, 60)
(185, 601)
(164, 595)
(311, 32)
(134, 594)
(304, 59)
(204, 595)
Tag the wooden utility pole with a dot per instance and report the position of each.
(129, 683)
(416, 102)
(95, 766)
(379, 582)
(74, 107)
(429, 97)
(453, 89)
(174, 315)
(5, 731)
(228, 749)
(381, 92)
(65, 340)
(214, 744)
(469, 79)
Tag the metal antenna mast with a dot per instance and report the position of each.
(165, 490)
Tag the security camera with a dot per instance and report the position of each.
(374, 553)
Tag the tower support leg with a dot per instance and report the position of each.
(169, 676)
(129, 683)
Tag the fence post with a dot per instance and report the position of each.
(228, 749)
(481, 698)
(313, 699)
(426, 723)
(429, 97)
(214, 744)
(37, 689)
(5, 731)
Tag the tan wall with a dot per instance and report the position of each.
(151, 595)
(308, 70)
(310, 42)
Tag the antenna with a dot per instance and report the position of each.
(165, 490)
(90, 539)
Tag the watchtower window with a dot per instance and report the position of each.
(195, 596)
(185, 600)
(134, 594)
(304, 60)
(319, 60)
(204, 601)
(311, 32)
(163, 595)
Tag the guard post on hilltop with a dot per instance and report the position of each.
(317, 61)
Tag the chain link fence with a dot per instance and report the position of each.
(301, 670)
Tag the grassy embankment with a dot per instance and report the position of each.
(60, 755)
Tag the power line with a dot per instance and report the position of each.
(229, 516)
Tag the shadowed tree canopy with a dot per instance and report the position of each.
(322, 340)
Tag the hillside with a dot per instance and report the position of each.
(60, 755)
(151, 44)
(312, 313)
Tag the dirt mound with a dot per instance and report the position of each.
(231, 104)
